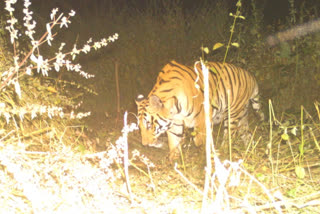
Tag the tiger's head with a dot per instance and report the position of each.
(153, 118)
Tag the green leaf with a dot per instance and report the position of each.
(294, 131)
(300, 172)
(205, 49)
(81, 148)
(242, 17)
(212, 69)
(217, 46)
(285, 136)
(260, 176)
(292, 193)
(235, 44)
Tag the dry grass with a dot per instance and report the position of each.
(61, 181)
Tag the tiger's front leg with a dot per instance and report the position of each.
(200, 130)
(175, 135)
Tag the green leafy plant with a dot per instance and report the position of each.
(218, 45)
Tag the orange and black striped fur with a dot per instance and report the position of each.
(175, 102)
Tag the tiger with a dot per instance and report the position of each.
(176, 103)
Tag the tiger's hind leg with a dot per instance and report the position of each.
(256, 105)
(240, 126)
(244, 132)
(232, 128)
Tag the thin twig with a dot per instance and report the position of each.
(125, 156)
(116, 69)
(186, 180)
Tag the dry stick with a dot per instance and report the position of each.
(186, 179)
(116, 69)
(40, 41)
(7, 135)
(125, 158)
(267, 192)
(37, 132)
(229, 126)
(302, 138)
(315, 140)
(287, 203)
(270, 140)
(209, 140)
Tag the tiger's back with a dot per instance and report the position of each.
(176, 101)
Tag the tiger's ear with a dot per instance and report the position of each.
(139, 99)
(155, 103)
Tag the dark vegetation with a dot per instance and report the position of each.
(151, 33)
(154, 32)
